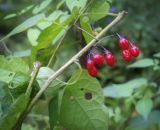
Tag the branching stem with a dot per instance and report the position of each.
(74, 58)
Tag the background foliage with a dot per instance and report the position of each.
(131, 91)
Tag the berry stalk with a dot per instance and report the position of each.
(74, 58)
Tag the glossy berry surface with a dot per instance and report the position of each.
(109, 59)
(90, 64)
(134, 50)
(126, 55)
(93, 72)
(91, 68)
(98, 59)
(123, 43)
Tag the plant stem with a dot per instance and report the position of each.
(54, 51)
(73, 59)
(86, 32)
(33, 77)
(28, 92)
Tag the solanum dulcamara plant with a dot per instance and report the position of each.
(63, 42)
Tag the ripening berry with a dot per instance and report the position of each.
(93, 72)
(134, 50)
(123, 43)
(98, 59)
(126, 55)
(109, 59)
(90, 64)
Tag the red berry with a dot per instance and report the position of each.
(134, 50)
(98, 59)
(93, 72)
(126, 55)
(109, 59)
(90, 64)
(123, 43)
(91, 68)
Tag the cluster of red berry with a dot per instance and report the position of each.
(128, 51)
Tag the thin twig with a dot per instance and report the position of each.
(98, 40)
(86, 32)
(54, 51)
(74, 58)
(33, 76)
(77, 78)
(28, 92)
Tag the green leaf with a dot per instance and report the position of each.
(26, 9)
(82, 106)
(86, 26)
(43, 74)
(53, 111)
(44, 55)
(19, 85)
(25, 25)
(75, 3)
(2, 89)
(5, 98)
(60, 4)
(13, 64)
(55, 15)
(41, 7)
(118, 116)
(6, 101)
(97, 10)
(11, 117)
(6, 76)
(43, 24)
(9, 120)
(143, 63)
(51, 32)
(10, 16)
(157, 55)
(139, 122)
(53, 89)
(144, 107)
(124, 90)
(52, 17)
(33, 35)
(19, 13)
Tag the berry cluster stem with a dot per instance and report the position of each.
(74, 58)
